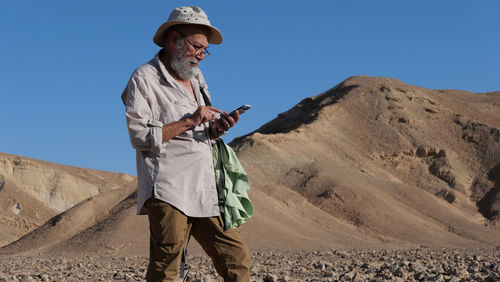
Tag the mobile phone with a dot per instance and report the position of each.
(241, 109)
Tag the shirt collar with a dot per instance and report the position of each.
(163, 70)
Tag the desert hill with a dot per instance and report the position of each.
(393, 159)
(370, 163)
(34, 191)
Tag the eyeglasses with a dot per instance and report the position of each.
(196, 48)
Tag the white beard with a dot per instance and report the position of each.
(180, 64)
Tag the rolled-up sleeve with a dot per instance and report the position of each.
(145, 132)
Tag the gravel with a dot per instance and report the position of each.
(420, 264)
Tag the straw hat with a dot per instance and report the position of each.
(187, 15)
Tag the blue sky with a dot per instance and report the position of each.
(64, 64)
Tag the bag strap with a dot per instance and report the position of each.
(207, 103)
(184, 266)
(205, 97)
(222, 177)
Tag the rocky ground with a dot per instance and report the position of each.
(421, 264)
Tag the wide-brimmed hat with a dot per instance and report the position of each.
(187, 15)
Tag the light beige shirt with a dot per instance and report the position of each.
(179, 171)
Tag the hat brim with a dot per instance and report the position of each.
(159, 38)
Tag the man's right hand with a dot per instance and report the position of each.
(202, 115)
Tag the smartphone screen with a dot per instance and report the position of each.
(242, 109)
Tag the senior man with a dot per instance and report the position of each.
(170, 125)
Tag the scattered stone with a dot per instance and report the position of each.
(442, 153)
(270, 278)
(438, 277)
(432, 111)
(358, 277)
(422, 151)
(349, 275)
(421, 264)
(327, 274)
(432, 152)
(399, 272)
(403, 120)
(320, 265)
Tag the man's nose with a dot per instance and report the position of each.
(200, 56)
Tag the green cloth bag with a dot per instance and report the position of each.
(237, 207)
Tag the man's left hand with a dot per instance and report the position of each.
(227, 121)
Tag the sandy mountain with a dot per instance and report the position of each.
(33, 191)
(370, 163)
(396, 160)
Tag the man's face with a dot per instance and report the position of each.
(196, 43)
(188, 52)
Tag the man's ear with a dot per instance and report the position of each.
(171, 38)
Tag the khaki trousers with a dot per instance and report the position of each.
(169, 229)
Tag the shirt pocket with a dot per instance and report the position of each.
(174, 110)
(183, 108)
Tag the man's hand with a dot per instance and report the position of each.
(202, 115)
(226, 121)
